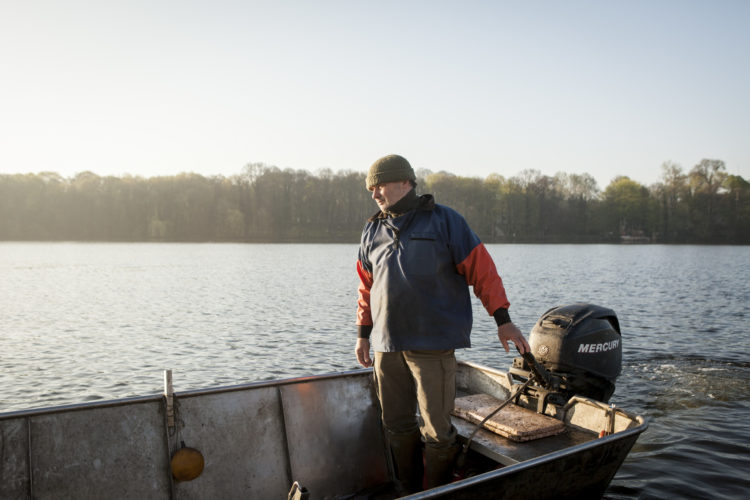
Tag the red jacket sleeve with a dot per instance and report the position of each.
(364, 316)
(480, 272)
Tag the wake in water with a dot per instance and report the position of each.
(698, 436)
(678, 382)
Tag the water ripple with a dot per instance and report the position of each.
(84, 322)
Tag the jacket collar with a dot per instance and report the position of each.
(409, 202)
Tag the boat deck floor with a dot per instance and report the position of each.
(489, 451)
(508, 452)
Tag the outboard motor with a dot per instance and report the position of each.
(576, 350)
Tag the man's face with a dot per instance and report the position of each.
(388, 193)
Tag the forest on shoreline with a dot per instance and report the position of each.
(263, 203)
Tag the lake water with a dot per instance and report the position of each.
(84, 322)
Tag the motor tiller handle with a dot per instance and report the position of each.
(540, 372)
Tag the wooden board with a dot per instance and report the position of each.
(512, 422)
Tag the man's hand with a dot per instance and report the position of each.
(509, 331)
(363, 352)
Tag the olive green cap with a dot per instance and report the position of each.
(389, 168)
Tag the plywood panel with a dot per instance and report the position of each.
(513, 422)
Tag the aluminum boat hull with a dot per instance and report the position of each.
(320, 431)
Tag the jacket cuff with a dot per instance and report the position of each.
(364, 331)
(501, 316)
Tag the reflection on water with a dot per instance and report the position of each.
(82, 322)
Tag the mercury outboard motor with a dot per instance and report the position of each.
(576, 350)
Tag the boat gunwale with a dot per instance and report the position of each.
(109, 403)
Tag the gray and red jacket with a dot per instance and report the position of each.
(414, 270)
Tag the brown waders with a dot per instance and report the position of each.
(439, 463)
(407, 380)
(406, 451)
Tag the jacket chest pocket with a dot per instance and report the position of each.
(422, 254)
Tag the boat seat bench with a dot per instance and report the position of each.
(509, 452)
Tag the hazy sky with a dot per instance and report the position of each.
(162, 87)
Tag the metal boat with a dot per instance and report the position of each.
(322, 432)
(321, 436)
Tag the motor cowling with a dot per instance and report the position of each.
(580, 345)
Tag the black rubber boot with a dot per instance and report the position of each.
(439, 463)
(406, 450)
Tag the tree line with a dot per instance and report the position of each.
(268, 204)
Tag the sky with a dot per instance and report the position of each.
(155, 87)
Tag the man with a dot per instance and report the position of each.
(416, 260)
